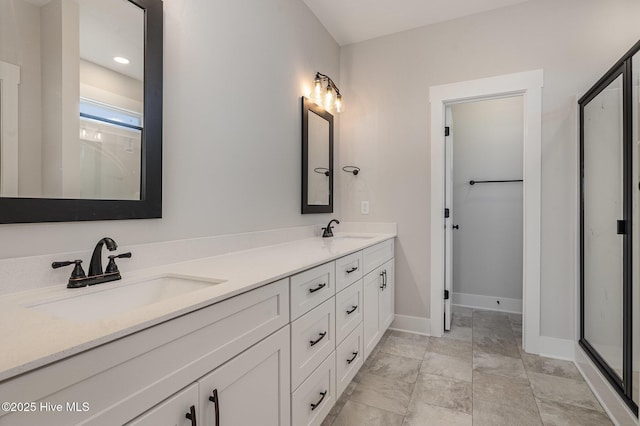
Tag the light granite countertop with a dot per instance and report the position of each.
(33, 338)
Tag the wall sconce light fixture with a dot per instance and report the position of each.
(323, 84)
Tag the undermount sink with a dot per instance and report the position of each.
(353, 237)
(96, 303)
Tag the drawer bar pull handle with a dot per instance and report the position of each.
(191, 415)
(314, 406)
(353, 309)
(320, 286)
(216, 405)
(355, 355)
(313, 342)
(350, 270)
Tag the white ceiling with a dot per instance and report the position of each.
(352, 21)
(111, 28)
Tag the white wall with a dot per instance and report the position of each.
(20, 35)
(385, 126)
(233, 76)
(104, 85)
(487, 248)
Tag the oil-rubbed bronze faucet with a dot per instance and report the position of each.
(96, 274)
(327, 232)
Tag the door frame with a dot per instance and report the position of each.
(528, 85)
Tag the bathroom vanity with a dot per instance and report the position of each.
(269, 336)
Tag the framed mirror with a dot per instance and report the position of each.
(317, 158)
(81, 107)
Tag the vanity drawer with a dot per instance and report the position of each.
(349, 359)
(312, 287)
(170, 411)
(348, 310)
(348, 270)
(312, 339)
(313, 400)
(374, 256)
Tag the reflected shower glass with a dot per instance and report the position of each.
(603, 207)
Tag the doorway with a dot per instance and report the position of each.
(484, 200)
(529, 86)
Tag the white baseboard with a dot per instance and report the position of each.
(552, 347)
(606, 395)
(417, 325)
(488, 302)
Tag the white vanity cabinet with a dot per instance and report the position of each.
(378, 292)
(251, 389)
(277, 355)
(124, 378)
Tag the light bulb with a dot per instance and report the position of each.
(328, 100)
(317, 85)
(338, 102)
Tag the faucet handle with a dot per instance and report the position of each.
(77, 272)
(111, 266)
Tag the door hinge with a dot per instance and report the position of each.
(446, 131)
(622, 227)
(446, 213)
(446, 295)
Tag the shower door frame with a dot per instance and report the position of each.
(623, 385)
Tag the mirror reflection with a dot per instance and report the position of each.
(318, 183)
(72, 100)
(317, 158)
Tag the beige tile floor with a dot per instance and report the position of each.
(477, 374)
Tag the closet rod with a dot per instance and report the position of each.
(473, 182)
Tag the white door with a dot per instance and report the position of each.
(252, 388)
(371, 317)
(448, 221)
(386, 297)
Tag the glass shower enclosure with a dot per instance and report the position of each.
(609, 225)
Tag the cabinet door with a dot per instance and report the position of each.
(386, 298)
(371, 318)
(172, 411)
(251, 389)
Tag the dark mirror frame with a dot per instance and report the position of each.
(308, 105)
(32, 210)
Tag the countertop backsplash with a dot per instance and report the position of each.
(35, 272)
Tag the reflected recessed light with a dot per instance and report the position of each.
(121, 60)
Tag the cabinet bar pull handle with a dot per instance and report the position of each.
(216, 405)
(350, 270)
(320, 286)
(355, 355)
(314, 406)
(382, 284)
(191, 415)
(353, 309)
(313, 342)
(385, 278)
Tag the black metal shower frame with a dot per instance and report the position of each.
(622, 385)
